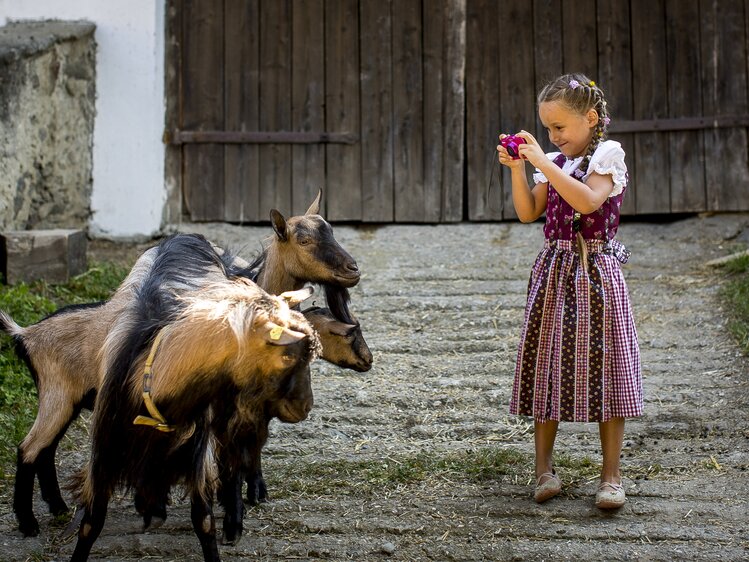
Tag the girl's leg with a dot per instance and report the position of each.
(545, 434)
(612, 437)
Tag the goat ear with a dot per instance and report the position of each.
(314, 209)
(342, 329)
(279, 224)
(294, 298)
(278, 335)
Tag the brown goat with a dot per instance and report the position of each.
(180, 360)
(304, 250)
(62, 353)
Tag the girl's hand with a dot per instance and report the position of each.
(505, 159)
(531, 151)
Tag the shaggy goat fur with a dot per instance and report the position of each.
(217, 342)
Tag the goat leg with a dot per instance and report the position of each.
(204, 525)
(257, 492)
(231, 499)
(91, 525)
(48, 482)
(23, 496)
(230, 493)
(152, 507)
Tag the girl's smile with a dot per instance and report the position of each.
(569, 131)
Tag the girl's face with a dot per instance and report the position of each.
(568, 130)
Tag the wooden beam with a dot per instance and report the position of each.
(679, 124)
(258, 137)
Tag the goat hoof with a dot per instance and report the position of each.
(58, 508)
(153, 522)
(257, 496)
(29, 527)
(231, 538)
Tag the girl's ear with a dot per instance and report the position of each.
(592, 117)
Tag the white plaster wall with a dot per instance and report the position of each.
(128, 162)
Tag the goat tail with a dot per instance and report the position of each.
(8, 325)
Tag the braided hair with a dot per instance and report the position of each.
(580, 94)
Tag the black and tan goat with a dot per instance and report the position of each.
(178, 361)
(62, 351)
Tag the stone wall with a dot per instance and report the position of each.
(47, 95)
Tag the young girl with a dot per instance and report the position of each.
(578, 358)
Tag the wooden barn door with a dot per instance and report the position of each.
(277, 98)
(675, 75)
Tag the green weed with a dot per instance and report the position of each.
(735, 297)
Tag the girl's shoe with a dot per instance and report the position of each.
(548, 489)
(610, 496)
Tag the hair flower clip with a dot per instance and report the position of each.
(591, 84)
(574, 84)
(606, 121)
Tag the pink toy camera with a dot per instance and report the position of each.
(511, 144)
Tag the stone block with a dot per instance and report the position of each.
(52, 255)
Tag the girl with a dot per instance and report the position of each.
(578, 358)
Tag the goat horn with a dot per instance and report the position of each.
(314, 209)
(293, 298)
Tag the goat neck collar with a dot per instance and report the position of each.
(157, 419)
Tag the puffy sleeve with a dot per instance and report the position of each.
(608, 160)
(538, 175)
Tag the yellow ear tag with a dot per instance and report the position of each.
(275, 333)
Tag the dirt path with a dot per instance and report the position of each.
(418, 460)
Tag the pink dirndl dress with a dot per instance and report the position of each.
(579, 359)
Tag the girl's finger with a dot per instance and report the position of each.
(528, 137)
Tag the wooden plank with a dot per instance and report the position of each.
(434, 21)
(517, 90)
(724, 92)
(453, 139)
(578, 26)
(650, 101)
(203, 107)
(342, 108)
(687, 172)
(482, 104)
(615, 76)
(408, 112)
(275, 104)
(173, 70)
(547, 52)
(242, 94)
(308, 101)
(377, 120)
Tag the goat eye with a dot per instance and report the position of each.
(304, 241)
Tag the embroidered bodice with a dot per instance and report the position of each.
(601, 224)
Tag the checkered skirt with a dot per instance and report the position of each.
(578, 359)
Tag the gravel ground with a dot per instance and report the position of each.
(441, 308)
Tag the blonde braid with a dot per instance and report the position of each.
(598, 103)
(580, 94)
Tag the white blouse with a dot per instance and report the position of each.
(607, 160)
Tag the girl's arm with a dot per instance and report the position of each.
(583, 197)
(530, 203)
